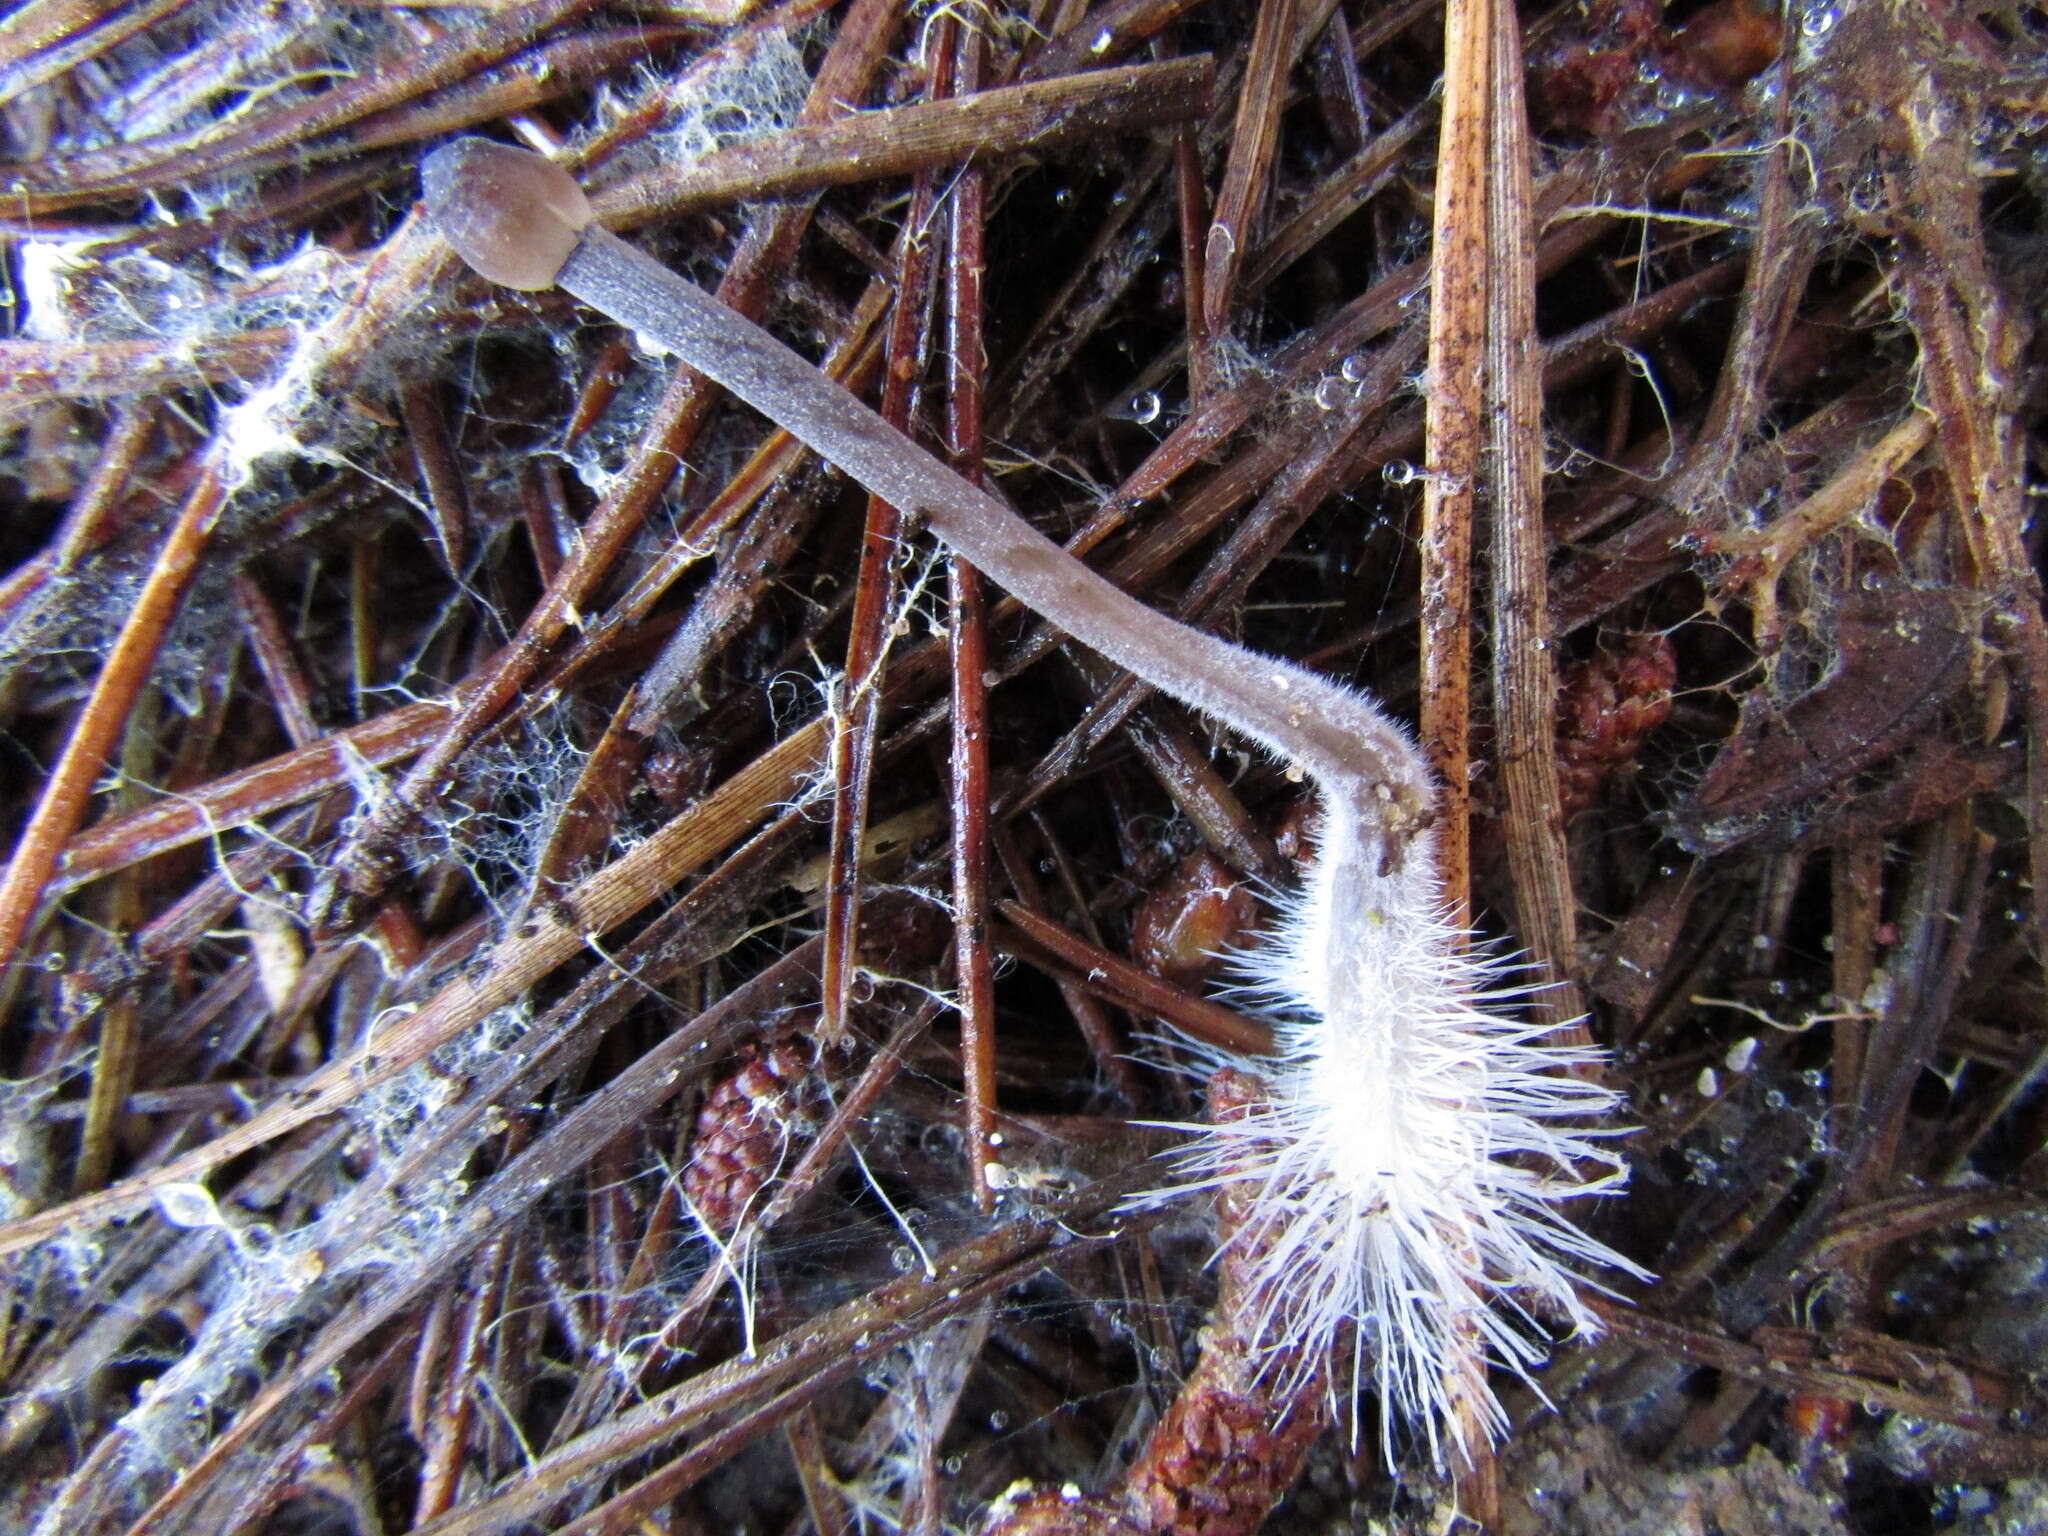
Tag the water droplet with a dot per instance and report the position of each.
(188, 1205)
(1820, 21)
(1353, 369)
(1398, 472)
(1143, 409)
(1329, 394)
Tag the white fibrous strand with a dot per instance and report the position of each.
(1419, 1138)
(1414, 1148)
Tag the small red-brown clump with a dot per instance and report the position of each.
(1817, 1424)
(1602, 68)
(678, 776)
(1607, 707)
(900, 930)
(1232, 1442)
(1581, 82)
(1189, 922)
(747, 1126)
(1727, 44)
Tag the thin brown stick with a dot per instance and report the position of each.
(1111, 1060)
(1045, 942)
(875, 600)
(433, 455)
(238, 799)
(61, 805)
(272, 649)
(1524, 669)
(115, 1062)
(973, 959)
(1240, 200)
(1456, 431)
(1459, 314)
(929, 136)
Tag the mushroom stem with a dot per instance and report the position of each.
(1407, 1160)
(520, 219)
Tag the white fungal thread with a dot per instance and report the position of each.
(1411, 1151)
(1418, 1139)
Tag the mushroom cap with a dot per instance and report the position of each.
(511, 214)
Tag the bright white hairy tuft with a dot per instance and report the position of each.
(1414, 1146)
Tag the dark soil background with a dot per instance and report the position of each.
(481, 1046)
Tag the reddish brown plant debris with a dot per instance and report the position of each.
(1233, 1440)
(750, 1121)
(1900, 656)
(1726, 44)
(1608, 706)
(1189, 922)
(1606, 62)
(899, 930)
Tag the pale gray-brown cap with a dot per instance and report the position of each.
(511, 214)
